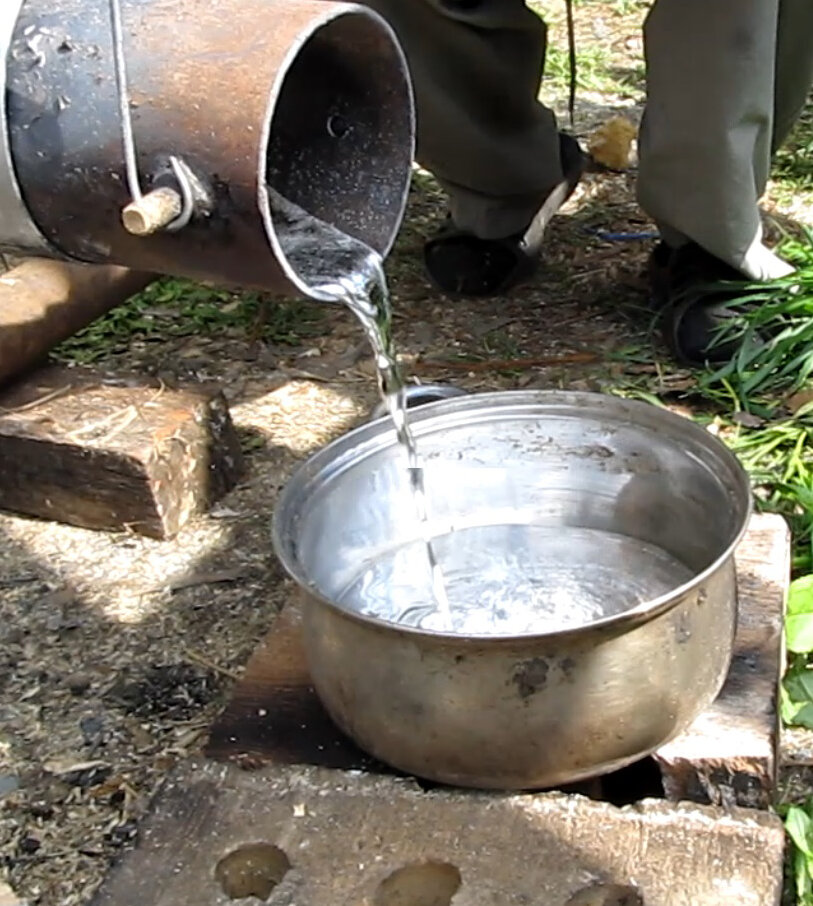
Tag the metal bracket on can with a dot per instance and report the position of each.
(161, 209)
(18, 231)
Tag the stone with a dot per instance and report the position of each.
(79, 683)
(8, 784)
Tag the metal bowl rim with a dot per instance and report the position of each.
(369, 438)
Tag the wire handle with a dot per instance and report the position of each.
(163, 208)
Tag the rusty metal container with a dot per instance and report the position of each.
(145, 133)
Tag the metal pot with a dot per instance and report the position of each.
(541, 709)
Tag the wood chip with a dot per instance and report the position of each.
(8, 897)
(799, 400)
(747, 420)
(209, 578)
(60, 767)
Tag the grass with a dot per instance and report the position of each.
(761, 404)
(593, 73)
(178, 308)
(499, 344)
(597, 64)
(627, 7)
(772, 326)
(762, 398)
(777, 458)
(793, 168)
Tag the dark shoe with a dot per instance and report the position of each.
(693, 308)
(461, 264)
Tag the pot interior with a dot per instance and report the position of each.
(547, 510)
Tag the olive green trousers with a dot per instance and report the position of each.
(726, 79)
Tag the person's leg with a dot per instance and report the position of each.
(794, 65)
(476, 67)
(705, 145)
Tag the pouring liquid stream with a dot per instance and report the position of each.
(506, 577)
(342, 269)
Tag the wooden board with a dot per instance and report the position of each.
(44, 302)
(275, 716)
(331, 838)
(728, 756)
(114, 453)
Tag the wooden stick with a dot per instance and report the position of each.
(573, 358)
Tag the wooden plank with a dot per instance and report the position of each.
(114, 452)
(727, 757)
(314, 837)
(274, 715)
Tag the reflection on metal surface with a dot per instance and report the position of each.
(554, 703)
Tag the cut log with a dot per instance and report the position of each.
(114, 453)
(729, 755)
(275, 715)
(44, 302)
(317, 823)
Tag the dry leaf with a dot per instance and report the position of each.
(799, 400)
(60, 766)
(610, 145)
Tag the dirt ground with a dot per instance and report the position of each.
(116, 652)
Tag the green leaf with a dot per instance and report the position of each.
(796, 695)
(799, 682)
(800, 829)
(799, 621)
(800, 595)
(799, 632)
(798, 714)
(802, 878)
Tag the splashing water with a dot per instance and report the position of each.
(516, 580)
